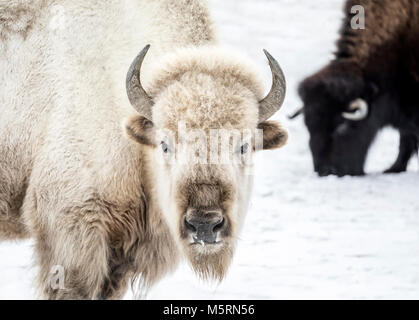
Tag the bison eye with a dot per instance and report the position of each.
(164, 147)
(244, 148)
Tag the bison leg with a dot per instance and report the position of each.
(12, 226)
(12, 193)
(72, 247)
(121, 269)
(147, 260)
(92, 248)
(12, 229)
(408, 147)
(73, 263)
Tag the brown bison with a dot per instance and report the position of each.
(371, 83)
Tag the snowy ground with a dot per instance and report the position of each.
(305, 237)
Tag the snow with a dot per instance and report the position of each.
(305, 237)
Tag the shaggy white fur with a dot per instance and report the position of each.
(70, 178)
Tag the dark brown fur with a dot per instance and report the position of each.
(379, 65)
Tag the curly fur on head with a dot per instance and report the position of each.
(333, 82)
(207, 87)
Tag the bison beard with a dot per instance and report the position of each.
(377, 66)
(210, 265)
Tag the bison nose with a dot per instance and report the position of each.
(204, 225)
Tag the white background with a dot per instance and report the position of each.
(305, 237)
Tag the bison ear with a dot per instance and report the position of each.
(141, 130)
(274, 136)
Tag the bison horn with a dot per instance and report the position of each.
(139, 99)
(358, 110)
(275, 98)
(296, 114)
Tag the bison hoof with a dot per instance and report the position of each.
(395, 170)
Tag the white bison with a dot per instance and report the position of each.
(102, 208)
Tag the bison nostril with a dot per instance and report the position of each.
(189, 226)
(218, 226)
(203, 225)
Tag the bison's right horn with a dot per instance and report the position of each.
(275, 98)
(139, 99)
(358, 110)
(296, 114)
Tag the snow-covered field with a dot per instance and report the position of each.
(305, 237)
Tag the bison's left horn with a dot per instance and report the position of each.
(358, 110)
(273, 101)
(139, 99)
